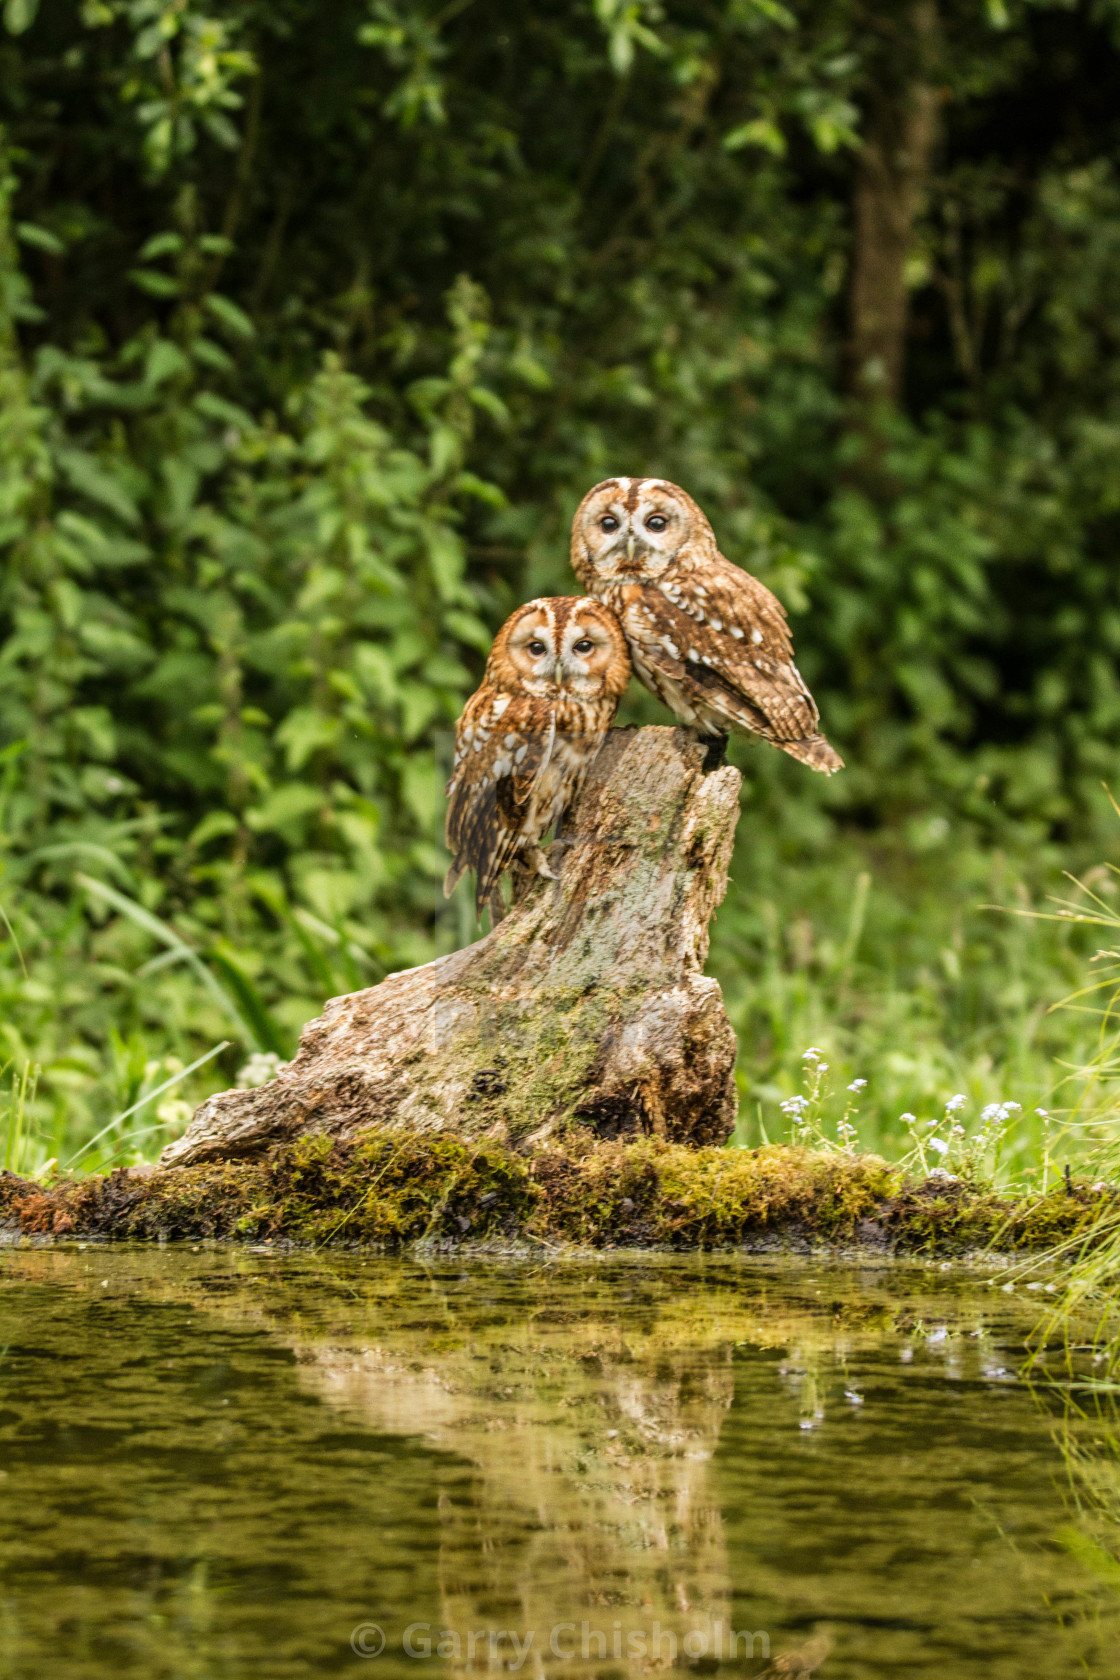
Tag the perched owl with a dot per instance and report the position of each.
(705, 636)
(555, 675)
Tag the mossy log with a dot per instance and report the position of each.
(388, 1190)
(587, 1005)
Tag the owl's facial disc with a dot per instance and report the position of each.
(633, 537)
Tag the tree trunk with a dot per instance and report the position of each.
(891, 178)
(585, 1007)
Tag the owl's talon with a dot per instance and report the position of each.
(536, 861)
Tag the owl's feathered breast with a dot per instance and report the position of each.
(518, 761)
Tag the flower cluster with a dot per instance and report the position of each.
(999, 1113)
(949, 1138)
(807, 1112)
(262, 1066)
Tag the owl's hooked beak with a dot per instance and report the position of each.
(558, 673)
(630, 546)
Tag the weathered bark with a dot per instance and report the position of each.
(891, 177)
(586, 1006)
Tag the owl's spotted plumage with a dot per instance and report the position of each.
(706, 637)
(555, 674)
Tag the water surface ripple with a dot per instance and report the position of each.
(217, 1465)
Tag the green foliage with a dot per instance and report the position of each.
(312, 332)
(909, 964)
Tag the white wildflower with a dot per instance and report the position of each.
(812, 1054)
(857, 1085)
(1043, 1113)
(940, 1145)
(262, 1066)
(173, 1111)
(956, 1102)
(909, 1118)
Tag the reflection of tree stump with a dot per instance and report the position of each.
(597, 1479)
(587, 1004)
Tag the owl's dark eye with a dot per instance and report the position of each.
(610, 523)
(537, 647)
(584, 645)
(656, 522)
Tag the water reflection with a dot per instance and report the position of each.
(606, 1469)
(592, 1528)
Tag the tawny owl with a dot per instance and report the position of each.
(706, 637)
(555, 675)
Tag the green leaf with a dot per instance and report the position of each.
(230, 316)
(214, 825)
(760, 131)
(158, 285)
(226, 413)
(67, 850)
(19, 15)
(30, 234)
(167, 936)
(447, 557)
(285, 809)
(165, 360)
(490, 403)
(469, 629)
(101, 485)
(304, 731)
(266, 1032)
(161, 245)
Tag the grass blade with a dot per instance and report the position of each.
(158, 1092)
(167, 936)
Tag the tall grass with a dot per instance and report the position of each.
(1088, 1307)
(115, 1022)
(927, 976)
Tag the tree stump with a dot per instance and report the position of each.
(586, 1006)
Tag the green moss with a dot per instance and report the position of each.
(387, 1190)
(534, 1065)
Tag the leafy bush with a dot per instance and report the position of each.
(314, 328)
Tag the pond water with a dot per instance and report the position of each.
(217, 1464)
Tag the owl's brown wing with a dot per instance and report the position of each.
(503, 744)
(728, 599)
(722, 636)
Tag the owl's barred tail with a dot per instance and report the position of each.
(815, 752)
